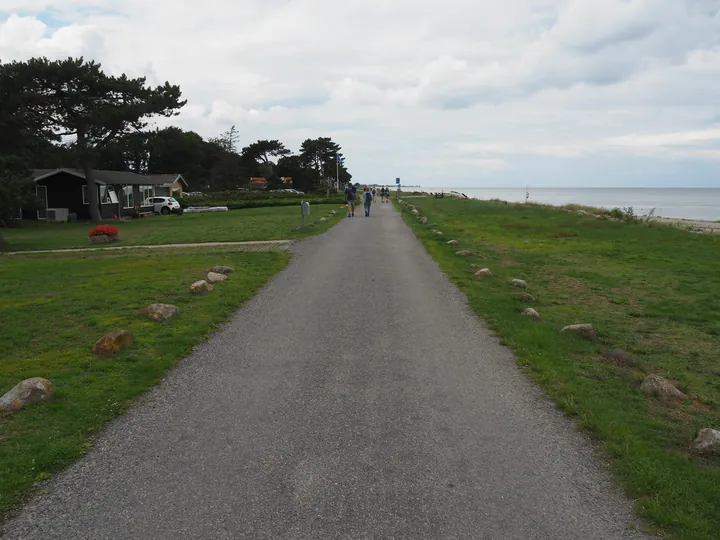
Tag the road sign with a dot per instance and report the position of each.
(397, 181)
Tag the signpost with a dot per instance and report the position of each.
(397, 183)
(304, 211)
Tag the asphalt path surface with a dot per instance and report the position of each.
(356, 396)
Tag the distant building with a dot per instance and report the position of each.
(258, 183)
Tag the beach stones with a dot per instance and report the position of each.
(659, 387)
(584, 330)
(201, 288)
(112, 343)
(35, 390)
(161, 312)
(519, 283)
(222, 269)
(214, 277)
(707, 442)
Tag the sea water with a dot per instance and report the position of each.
(683, 203)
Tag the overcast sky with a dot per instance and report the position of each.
(441, 93)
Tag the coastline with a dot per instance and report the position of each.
(689, 224)
(692, 225)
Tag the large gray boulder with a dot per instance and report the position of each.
(29, 391)
(707, 442)
(161, 312)
(659, 387)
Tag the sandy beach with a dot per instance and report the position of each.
(692, 225)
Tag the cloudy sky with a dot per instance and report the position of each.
(441, 93)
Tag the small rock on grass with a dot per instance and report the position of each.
(707, 442)
(415, 212)
(453, 243)
(423, 220)
(431, 225)
(29, 391)
(323, 220)
(657, 386)
(526, 297)
(222, 269)
(214, 277)
(437, 233)
(161, 312)
(519, 283)
(484, 272)
(113, 342)
(201, 288)
(530, 312)
(585, 330)
(617, 355)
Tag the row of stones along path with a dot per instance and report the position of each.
(654, 385)
(40, 389)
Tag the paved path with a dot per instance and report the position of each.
(259, 245)
(355, 397)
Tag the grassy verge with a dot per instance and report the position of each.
(653, 291)
(235, 226)
(54, 308)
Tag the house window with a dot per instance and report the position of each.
(106, 195)
(128, 198)
(146, 193)
(86, 199)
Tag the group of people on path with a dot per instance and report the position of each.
(368, 196)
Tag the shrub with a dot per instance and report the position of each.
(107, 230)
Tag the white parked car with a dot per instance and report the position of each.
(164, 205)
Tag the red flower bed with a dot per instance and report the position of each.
(101, 230)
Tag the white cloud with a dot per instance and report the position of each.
(462, 88)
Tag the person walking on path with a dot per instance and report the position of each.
(350, 198)
(367, 200)
(373, 194)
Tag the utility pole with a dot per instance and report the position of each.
(337, 171)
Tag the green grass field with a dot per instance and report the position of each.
(653, 291)
(54, 307)
(275, 223)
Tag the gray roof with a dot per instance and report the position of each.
(106, 177)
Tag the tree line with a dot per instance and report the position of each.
(70, 113)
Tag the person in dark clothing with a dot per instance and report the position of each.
(367, 200)
(350, 192)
